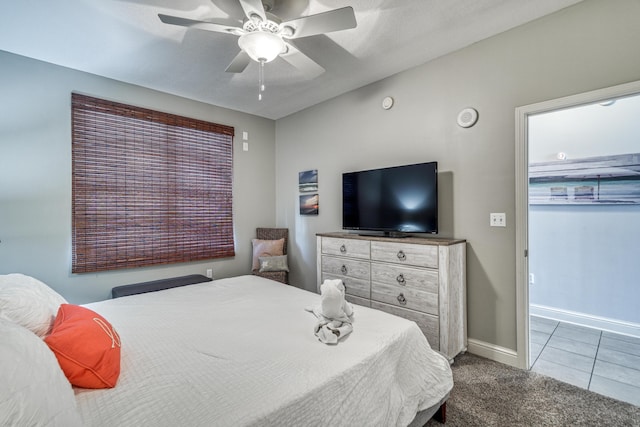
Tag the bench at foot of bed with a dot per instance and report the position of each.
(157, 285)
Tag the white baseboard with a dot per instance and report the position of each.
(603, 323)
(492, 352)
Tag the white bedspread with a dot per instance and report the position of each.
(241, 351)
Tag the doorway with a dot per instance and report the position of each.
(555, 184)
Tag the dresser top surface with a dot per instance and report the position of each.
(409, 239)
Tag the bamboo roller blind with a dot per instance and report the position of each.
(148, 187)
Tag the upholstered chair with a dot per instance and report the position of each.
(274, 234)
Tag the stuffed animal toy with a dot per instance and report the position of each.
(334, 313)
(334, 306)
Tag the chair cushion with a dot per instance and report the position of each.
(264, 248)
(273, 263)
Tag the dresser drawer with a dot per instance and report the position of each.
(357, 300)
(357, 287)
(407, 277)
(405, 253)
(346, 247)
(346, 267)
(428, 324)
(413, 299)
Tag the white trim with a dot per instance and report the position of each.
(591, 321)
(492, 352)
(522, 199)
(522, 236)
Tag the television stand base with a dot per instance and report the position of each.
(396, 234)
(393, 234)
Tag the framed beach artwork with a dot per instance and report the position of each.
(308, 181)
(309, 204)
(604, 180)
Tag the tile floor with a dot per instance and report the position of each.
(600, 361)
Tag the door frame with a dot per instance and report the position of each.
(522, 197)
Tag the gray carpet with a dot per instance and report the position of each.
(488, 393)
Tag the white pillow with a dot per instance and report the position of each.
(34, 390)
(28, 302)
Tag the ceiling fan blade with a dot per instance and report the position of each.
(201, 25)
(239, 63)
(320, 23)
(253, 7)
(302, 62)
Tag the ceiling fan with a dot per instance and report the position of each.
(263, 36)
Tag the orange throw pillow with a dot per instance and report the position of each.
(87, 347)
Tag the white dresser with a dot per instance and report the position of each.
(421, 279)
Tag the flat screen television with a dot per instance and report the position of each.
(400, 199)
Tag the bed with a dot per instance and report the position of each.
(241, 351)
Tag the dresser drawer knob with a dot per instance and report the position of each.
(401, 280)
(344, 269)
(343, 249)
(401, 256)
(402, 300)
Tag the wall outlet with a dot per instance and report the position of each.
(210, 273)
(532, 278)
(498, 220)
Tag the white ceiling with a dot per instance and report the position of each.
(125, 40)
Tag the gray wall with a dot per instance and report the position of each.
(588, 46)
(585, 260)
(35, 176)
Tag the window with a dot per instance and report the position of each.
(148, 187)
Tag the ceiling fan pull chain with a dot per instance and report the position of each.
(260, 80)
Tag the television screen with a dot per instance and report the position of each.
(396, 199)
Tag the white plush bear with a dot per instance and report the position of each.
(334, 314)
(333, 305)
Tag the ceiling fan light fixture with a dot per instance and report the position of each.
(261, 46)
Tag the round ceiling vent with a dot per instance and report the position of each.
(467, 117)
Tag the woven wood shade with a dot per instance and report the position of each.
(148, 187)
